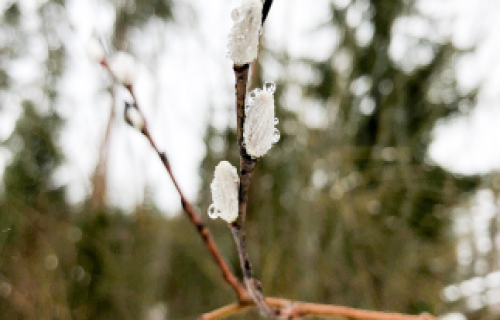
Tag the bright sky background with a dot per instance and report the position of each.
(177, 101)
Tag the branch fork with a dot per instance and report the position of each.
(250, 293)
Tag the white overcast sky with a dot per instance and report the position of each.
(177, 88)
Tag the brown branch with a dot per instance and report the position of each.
(295, 309)
(203, 231)
(247, 166)
(225, 311)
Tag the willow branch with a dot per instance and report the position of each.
(295, 309)
(203, 231)
(247, 166)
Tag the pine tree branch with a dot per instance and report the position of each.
(295, 309)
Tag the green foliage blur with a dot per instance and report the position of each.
(348, 212)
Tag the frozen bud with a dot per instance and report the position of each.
(134, 117)
(243, 41)
(259, 133)
(224, 193)
(95, 50)
(123, 67)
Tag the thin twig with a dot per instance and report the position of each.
(203, 231)
(295, 309)
(225, 311)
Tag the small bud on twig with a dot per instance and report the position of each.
(95, 50)
(224, 193)
(259, 133)
(243, 41)
(123, 67)
(133, 116)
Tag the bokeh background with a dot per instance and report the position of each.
(381, 194)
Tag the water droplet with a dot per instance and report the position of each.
(212, 212)
(276, 136)
(249, 103)
(236, 15)
(270, 87)
(276, 121)
(261, 31)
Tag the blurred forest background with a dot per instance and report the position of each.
(348, 208)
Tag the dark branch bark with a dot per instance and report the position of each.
(265, 10)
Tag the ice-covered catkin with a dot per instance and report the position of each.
(243, 42)
(224, 193)
(123, 67)
(259, 133)
(134, 117)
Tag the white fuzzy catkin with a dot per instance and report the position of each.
(134, 117)
(224, 193)
(259, 133)
(123, 67)
(95, 50)
(243, 42)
